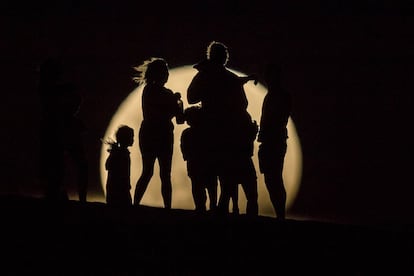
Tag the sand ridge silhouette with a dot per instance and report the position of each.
(94, 239)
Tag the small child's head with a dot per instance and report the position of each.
(192, 115)
(125, 136)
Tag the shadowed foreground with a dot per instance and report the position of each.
(92, 239)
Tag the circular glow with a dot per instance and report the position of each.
(130, 113)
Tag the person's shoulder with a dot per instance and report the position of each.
(231, 75)
(167, 90)
(170, 91)
(202, 65)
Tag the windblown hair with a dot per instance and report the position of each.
(218, 52)
(152, 70)
(110, 142)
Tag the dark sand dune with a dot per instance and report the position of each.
(39, 238)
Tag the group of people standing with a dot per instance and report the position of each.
(218, 143)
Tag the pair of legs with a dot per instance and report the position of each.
(199, 186)
(148, 161)
(155, 143)
(55, 173)
(276, 188)
(52, 161)
(78, 156)
(229, 191)
(118, 197)
(271, 161)
(238, 169)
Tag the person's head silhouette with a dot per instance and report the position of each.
(152, 71)
(192, 115)
(218, 53)
(124, 136)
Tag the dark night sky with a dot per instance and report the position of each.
(348, 67)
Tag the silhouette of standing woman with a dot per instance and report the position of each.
(272, 136)
(118, 184)
(156, 138)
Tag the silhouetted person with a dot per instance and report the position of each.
(224, 102)
(61, 132)
(156, 138)
(118, 165)
(51, 138)
(240, 170)
(73, 132)
(199, 161)
(273, 135)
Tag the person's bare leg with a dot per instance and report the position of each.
(211, 184)
(165, 175)
(235, 199)
(277, 192)
(144, 179)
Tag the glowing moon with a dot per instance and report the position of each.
(130, 113)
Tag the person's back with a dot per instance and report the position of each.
(275, 116)
(219, 90)
(159, 104)
(222, 97)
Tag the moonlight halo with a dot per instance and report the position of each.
(130, 113)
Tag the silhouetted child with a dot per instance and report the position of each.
(199, 160)
(118, 165)
(239, 170)
(156, 134)
(243, 171)
(273, 135)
